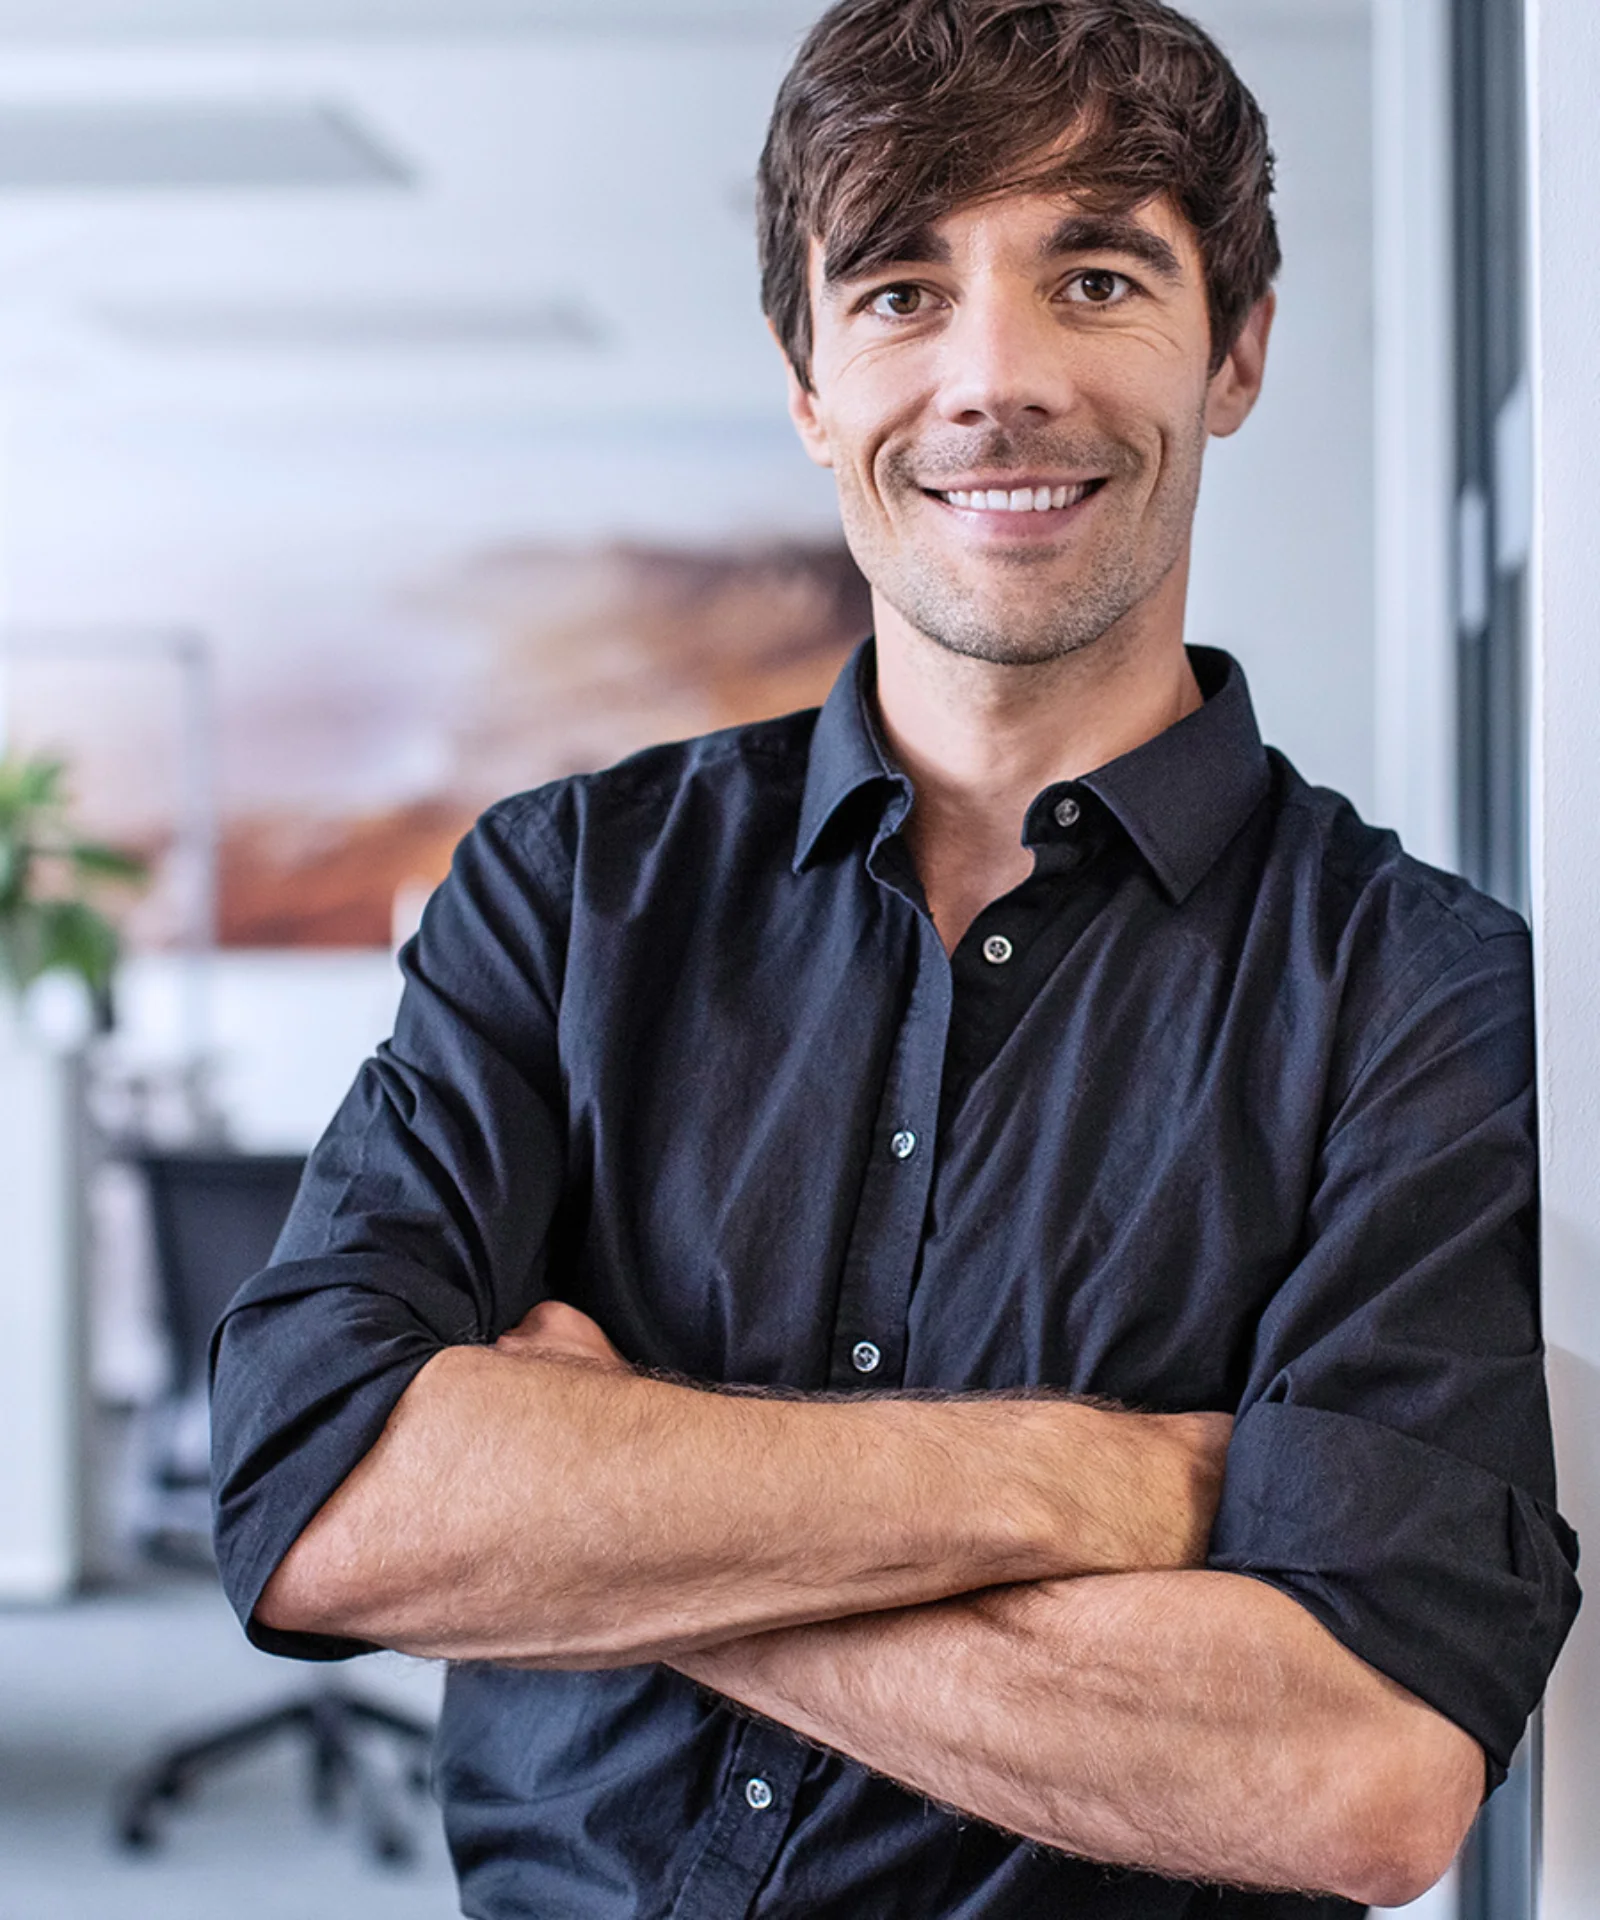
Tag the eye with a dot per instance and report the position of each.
(1098, 287)
(897, 303)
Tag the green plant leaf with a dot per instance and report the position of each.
(74, 936)
(97, 861)
(15, 859)
(30, 786)
(57, 925)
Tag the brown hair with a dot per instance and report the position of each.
(897, 111)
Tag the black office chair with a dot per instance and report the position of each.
(215, 1218)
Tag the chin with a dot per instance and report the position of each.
(1009, 648)
(1012, 631)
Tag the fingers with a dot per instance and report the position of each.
(552, 1328)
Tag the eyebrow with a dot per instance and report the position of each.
(1077, 233)
(1113, 233)
(922, 244)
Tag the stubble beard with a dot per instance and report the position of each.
(1016, 626)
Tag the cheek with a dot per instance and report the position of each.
(1175, 433)
(872, 402)
(862, 462)
(1152, 391)
(861, 506)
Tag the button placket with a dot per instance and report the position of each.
(885, 1242)
(751, 1824)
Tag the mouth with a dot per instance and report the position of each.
(1035, 497)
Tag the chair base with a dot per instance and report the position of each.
(337, 1727)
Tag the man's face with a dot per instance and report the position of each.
(1016, 413)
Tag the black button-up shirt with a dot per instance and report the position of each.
(1227, 1106)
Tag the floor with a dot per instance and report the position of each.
(87, 1691)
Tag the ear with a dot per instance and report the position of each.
(807, 421)
(1236, 385)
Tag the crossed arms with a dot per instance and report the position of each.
(999, 1603)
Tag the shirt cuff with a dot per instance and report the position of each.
(1454, 1583)
(305, 1376)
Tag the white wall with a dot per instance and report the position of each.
(1413, 464)
(287, 1033)
(1284, 556)
(1414, 414)
(1564, 65)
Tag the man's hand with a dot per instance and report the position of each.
(554, 1331)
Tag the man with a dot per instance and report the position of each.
(990, 1228)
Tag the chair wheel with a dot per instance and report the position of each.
(393, 1849)
(137, 1836)
(341, 1776)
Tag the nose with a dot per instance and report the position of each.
(1006, 362)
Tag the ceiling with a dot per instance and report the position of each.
(57, 20)
(335, 19)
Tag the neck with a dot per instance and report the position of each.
(980, 740)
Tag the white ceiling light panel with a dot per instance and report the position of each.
(368, 326)
(89, 147)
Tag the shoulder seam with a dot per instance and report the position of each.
(1412, 1001)
(1415, 876)
(668, 761)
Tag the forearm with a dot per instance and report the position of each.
(1197, 1724)
(519, 1507)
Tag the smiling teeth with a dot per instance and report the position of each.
(1020, 499)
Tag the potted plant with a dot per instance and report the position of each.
(50, 878)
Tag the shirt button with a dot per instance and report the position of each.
(865, 1357)
(997, 950)
(1068, 812)
(759, 1794)
(904, 1144)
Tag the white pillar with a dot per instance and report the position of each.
(1564, 73)
(1415, 447)
(1413, 490)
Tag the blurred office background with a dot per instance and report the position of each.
(387, 422)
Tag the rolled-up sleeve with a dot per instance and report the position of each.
(1391, 1466)
(424, 1216)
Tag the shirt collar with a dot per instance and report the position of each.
(847, 752)
(1180, 798)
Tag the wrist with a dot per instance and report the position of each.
(1119, 1492)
